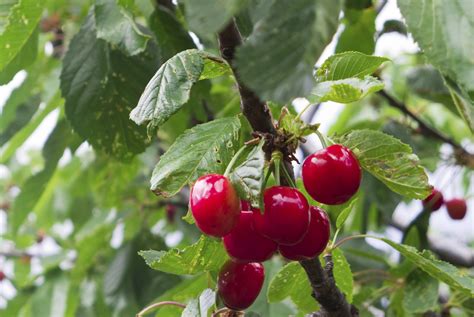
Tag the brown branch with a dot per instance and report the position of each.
(325, 291)
(463, 157)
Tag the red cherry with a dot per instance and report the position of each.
(240, 283)
(2, 276)
(332, 175)
(170, 210)
(215, 205)
(315, 240)
(244, 244)
(457, 208)
(434, 201)
(286, 217)
(245, 205)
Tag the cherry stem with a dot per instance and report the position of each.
(276, 172)
(321, 139)
(287, 176)
(234, 159)
(154, 306)
(357, 236)
(304, 109)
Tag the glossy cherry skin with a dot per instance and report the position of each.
(244, 244)
(315, 240)
(457, 208)
(240, 283)
(332, 175)
(434, 201)
(215, 205)
(286, 216)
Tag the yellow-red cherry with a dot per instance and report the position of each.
(286, 216)
(244, 244)
(457, 208)
(434, 201)
(215, 205)
(240, 283)
(315, 240)
(332, 175)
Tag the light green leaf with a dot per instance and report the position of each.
(202, 149)
(200, 307)
(101, 85)
(19, 28)
(420, 292)
(342, 217)
(205, 255)
(438, 269)
(343, 274)
(277, 59)
(346, 90)
(444, 29)
(207, 17)
(116, 25)
(291, 281)
(248, 176)
(170, 87)
(347, 65)
(389, 160)
(463, 102)
(52, 297)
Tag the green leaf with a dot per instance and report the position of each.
(52, 297)
(101, 85)
(389, 160)
(172, 38)
(277, 59)
(19, 28)
(202, 149)
(116, 25)
(170, 87)
(248, 176)
(343, 274)
(346, 90)
(438, 269)
(205, 255)
(342, 217)
(291, 281)
(359, 31)
(444, 28)
(394, 26)
(420, 292)
(200, 307)
(347, 65)
(463, 102)
(206, 17)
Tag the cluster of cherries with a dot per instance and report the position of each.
(457, 207)
(288, 224)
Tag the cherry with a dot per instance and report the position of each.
(215, 205)
(2, 276)
(240, 283)
(315, 240)
(170, 210)
(244, 244)
(434, 201)
(286, 217)
(246, 205)
(457, 208)
(332, 175)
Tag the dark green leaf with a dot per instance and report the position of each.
(205, 255)
(463, 101)
(359, 31)
(115, 25)
(343, 274)
(170, 87)
(420, 292)
(203, 149)
(291, 281)
(101, 85)
(280, 72)
(389, 160)
(341, 219)
(394, 26)
(248, 176)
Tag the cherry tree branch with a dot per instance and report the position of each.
(325, 291)
(462, 155)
